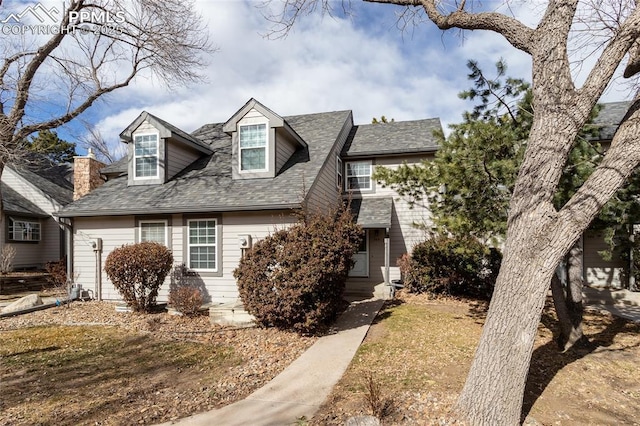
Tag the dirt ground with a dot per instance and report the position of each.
(87, 364)
(419, 351)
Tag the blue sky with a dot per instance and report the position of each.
(363, 63)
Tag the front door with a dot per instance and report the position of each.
(361, 259)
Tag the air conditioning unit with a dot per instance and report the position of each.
(244, 241)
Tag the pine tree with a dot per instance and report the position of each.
(48, 143)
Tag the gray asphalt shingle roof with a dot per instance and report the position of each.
(393, 138)
(372, 212)
(48, 178)
(117, 167)
(610, 117)
(207, 184)
(14, 203)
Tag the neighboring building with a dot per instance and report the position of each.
(31, 195)
(210, 195)
(597, 271)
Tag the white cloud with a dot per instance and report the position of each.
(364, 64)
(323, 65)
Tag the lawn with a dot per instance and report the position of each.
(88, 364)
(418, 353)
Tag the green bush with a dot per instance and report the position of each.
(137, 271)
(294, 279)
(460, 266)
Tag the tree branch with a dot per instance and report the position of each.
(24, 84)
(516, 33)
(621, 159)
(602, 73)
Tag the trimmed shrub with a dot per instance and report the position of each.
(460, 266)
(416, 278)
(137, 272)
(186, 300)
(294, 279)
(57, 273)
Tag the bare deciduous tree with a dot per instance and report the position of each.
(538, 234)
(51, 77)
(104, 151)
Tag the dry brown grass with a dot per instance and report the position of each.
(87, 364)
(421, 349)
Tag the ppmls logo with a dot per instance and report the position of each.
(40, 12)
(49, 20)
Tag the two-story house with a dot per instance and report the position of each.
(211, 194)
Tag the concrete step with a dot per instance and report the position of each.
(231, 314)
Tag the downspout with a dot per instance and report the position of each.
(68, 230)
(632, 270)
(387, 255)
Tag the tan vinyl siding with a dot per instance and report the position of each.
(285, 147)
(178, 158)
(597, 271)
(51, 235)
(116, 231)
(145, 127)
(258, 225)
(254, 113)
(404, 234)
(324, 191)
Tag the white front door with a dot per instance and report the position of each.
(361, 259)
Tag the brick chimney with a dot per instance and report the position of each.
(86, 174)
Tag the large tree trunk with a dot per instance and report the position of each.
(574, 295)
(568, 300)
(493, 392)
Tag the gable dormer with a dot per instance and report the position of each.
(262, 141)
(157, 150)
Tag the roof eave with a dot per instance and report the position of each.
(205, 209)
(389, 153)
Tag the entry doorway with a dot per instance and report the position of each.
(361, 258)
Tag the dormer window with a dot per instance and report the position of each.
(146, 156)
(253, 147)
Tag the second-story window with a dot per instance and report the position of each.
(146, 156)
(253, 147)
(359, 176)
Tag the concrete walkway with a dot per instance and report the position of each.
(621, 303)
(303, 386)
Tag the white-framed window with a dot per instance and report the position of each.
(145, 156)
(24, 230)
(253, 147)
(153, 230)
(339, 172)
(359, 176)
(202, 244)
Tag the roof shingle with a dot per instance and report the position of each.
(207, 184)
(399, 137)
